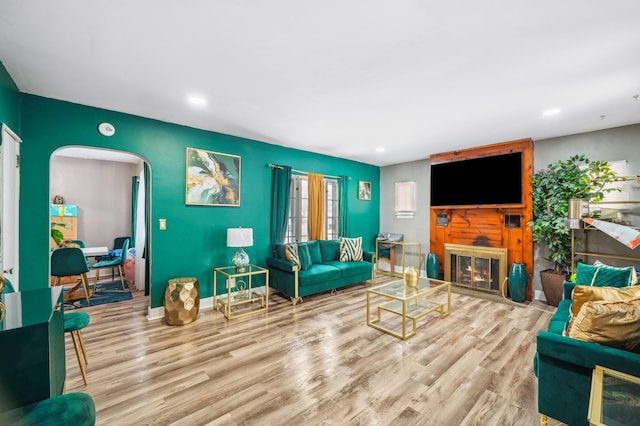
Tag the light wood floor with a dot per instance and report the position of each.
(315, 363)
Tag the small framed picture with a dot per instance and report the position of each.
(364, 190)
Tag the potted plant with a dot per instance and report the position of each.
(553, 187)
(56, 234)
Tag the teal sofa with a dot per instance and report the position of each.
(564, 366)
(326, 272)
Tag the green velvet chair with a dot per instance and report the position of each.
(79, 244)
(70, 261)
(115, 263)
(77, 409)
(117, 245)
(74, 322)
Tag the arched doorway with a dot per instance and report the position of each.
(109, 190)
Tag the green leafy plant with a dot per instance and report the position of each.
(56, 234)
(553, 187)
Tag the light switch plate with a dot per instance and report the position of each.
(163, 224)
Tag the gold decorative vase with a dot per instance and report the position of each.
(181, 300)
(411, 277)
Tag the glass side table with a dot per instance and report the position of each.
(615, 398)
(241, 298)
(403, 245)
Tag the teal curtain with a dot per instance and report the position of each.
(343, 220)
(134, 209)
(280, 203)
(147, 225)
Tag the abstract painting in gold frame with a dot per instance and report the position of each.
(213, 178)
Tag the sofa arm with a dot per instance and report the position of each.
(369, 256)
(568, 290)
(281, 264)
(586, 354)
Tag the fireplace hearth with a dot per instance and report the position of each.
(476, 267)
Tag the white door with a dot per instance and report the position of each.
(9, 206)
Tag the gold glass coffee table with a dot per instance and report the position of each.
(408, 303)
(615, 398)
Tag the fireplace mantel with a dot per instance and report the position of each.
(499, 226)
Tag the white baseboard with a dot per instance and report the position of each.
(157, 313)
(539, 295)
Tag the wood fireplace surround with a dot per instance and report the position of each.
(497, 226)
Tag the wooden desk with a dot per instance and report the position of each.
(94, 251)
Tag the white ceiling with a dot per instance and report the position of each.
(338, 77)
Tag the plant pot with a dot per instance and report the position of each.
(553, 286)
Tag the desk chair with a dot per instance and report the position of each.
(117, 262)
(117, 245)
(75, 243)
(70, 261)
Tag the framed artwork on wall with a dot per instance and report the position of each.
(364, 190)
(213, 178)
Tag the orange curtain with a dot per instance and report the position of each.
(316, 207)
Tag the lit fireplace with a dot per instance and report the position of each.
(481, 268)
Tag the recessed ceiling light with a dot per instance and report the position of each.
(380, 149)
(552, 111)
(197, 100)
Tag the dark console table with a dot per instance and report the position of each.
(32, 353)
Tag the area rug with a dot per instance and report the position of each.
(106, 292)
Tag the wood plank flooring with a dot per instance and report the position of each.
(317, 363)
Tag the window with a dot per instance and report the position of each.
(405, 200)
(299, 209)
(332, 210)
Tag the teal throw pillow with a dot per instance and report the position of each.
(278, 251)
(330, 250)
(634, 274)
(305, 257)
(603, 276)
(314, 251)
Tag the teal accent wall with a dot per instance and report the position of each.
(195, 240)
(9, 101)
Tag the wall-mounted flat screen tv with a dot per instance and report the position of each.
(493, 180)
